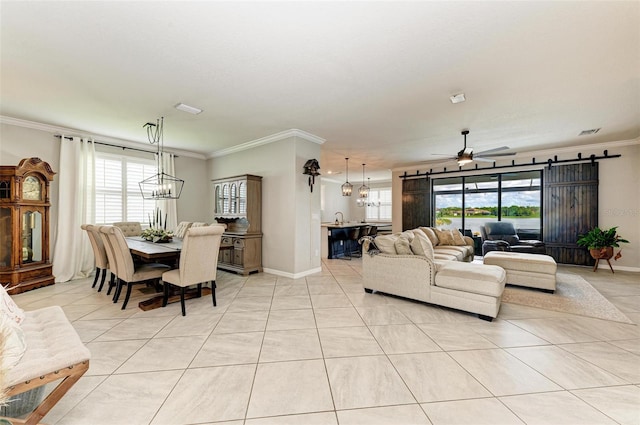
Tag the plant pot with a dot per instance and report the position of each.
(601, 253)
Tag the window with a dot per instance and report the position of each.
(118, 196)
(515, 197)
(382, 212)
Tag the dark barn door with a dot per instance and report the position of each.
(570, 205)
(416, 203)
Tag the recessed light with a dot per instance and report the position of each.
(186, 108)
(588, 132)
(457, 98)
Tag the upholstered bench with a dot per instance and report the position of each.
(530, 270)
(470, 287)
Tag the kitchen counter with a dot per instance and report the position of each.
(334, 237)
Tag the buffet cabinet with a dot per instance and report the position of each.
(24, 225)
(238, 205)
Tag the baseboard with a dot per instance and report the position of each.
(621, 268)
(293, 275)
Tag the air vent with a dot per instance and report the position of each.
(457, 98)
(588, 132)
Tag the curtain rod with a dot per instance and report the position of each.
(113, 146)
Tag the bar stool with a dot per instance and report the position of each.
(373, 231)
(352, 242)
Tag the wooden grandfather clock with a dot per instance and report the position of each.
(24, 225)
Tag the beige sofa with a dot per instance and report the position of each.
(417, 274)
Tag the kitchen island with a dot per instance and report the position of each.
(334, 237)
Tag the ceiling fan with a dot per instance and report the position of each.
(466, 155)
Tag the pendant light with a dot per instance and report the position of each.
(347, 187)
(363, 191)
(161, 185)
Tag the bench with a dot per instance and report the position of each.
(54, 352)
(530, 270)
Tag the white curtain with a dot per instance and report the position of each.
(168, 206)
(72, 254)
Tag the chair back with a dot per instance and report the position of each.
(122, 254)
(182, 229)
(501, 230)
(199, 255)
(99, 251)
(129, 228)
(106, 242)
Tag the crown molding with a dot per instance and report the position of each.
(537, 153)
(72, 132)
(269, 139)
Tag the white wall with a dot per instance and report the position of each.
(287, 206)
(618, 193)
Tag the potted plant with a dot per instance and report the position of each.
(600, 243)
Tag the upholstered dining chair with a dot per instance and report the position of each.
(198, 262)
(182, 229)
(128, 272)
(129, 228)
(99, 253)
(111, 256)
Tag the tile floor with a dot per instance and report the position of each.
(319, 350)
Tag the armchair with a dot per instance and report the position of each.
(502, 236)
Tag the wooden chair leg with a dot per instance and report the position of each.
(95, 279)
(213, 292)
(199, 290)
(73, 373)
(182, 289)
(116, 294)
(126, 298)
(104, 275)
(112, 283)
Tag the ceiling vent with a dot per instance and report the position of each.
(457, 98)
(189, 109)
(589, 132)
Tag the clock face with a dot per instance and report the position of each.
(31, 188)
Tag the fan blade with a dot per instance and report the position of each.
(484, 153)
(497, 154)
(480, 159)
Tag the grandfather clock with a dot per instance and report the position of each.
(24, 225)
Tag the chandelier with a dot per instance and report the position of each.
(161, 185)
(363, 191)
(367, 202)
(347, 187)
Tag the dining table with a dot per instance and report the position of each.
(166, 253)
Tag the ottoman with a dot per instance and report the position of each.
(470, 287)
(530, 270)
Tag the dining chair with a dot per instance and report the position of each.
(129, 228)
(128, 272)
(198, 263)
(111, 256)
(99, 252)
(182, 229)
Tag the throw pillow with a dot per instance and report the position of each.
(386, 244)
(9, 307)
(431, 235)
(402, 246)
(421, 245)
(12, 342)
(458, 237)
(445, 237)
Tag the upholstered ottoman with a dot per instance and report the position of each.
(531, 270)
(470, 287)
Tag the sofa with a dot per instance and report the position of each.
(502, 236)
(408, 265)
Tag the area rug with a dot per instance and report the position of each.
(573, 295)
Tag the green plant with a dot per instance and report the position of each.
(597, 238)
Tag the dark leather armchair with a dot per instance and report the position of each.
(502, 236)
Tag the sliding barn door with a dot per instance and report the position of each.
(570, 205)
(416, 203)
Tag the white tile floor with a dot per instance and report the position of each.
(320, 351)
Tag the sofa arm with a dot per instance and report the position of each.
(409, 276)
(469, 241)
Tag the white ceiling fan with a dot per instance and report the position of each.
(466, 155)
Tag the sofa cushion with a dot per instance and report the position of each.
(421, 245)
(458, 238)
(403, 246)
(386, 244)
(444, 237)
(9, 307)
(431, 234)
(474, 278)
(455, 251)
(444, 257)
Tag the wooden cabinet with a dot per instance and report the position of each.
(24, 225)
(238, 204)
